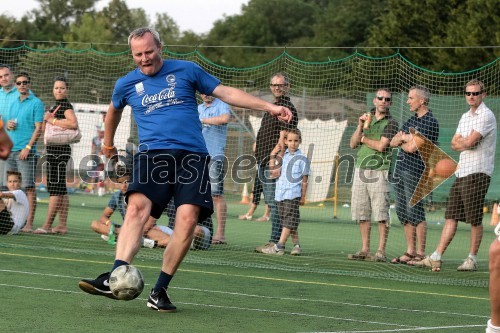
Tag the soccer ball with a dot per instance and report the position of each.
(126, 282)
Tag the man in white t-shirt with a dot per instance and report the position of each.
(475, 139)
(14, 207)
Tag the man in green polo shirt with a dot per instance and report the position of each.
(370, 189)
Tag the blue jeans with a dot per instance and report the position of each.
(404, 190)
(25, 167)
(269, 187)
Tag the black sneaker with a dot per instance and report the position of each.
(159, 301)
(99, 286)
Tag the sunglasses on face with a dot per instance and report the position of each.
(22, 82)
(473, 93)
(381, 98)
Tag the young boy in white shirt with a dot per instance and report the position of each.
(14, 207)
(291, 189)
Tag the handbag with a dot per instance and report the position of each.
(56, 135)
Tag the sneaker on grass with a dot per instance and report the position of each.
(274, 250)
(159, 301)
(296, 251)
(427, 262)
(260, 248)
(380, 257)
(469, 265)
(99, 286)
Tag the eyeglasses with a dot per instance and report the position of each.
(473, 93)
(22, 82)
(381, 98)
(273, 85)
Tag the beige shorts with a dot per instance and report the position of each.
(370, 195)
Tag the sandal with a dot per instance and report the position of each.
(380, 257)
(27, 230)
(42, 231)
(59, 230)
(401, 260)
(417, 258)
(360, 255)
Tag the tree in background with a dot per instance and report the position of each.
(439, 23)
(321, 30)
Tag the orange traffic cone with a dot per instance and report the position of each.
(244, 195)
(494, 214)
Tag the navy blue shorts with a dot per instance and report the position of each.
(163, 174)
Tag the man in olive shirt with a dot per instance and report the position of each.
(371, 187)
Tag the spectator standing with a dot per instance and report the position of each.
(8, 94)
(24, 129)
(291, 189)
(62, 115)
(272, 133)
(214, 117)
(475, 139)
(410, 168)
(255, 200)
(371, 187)
(97, 160)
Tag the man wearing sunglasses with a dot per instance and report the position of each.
(371, 187)
(475, 139)
(24, 127)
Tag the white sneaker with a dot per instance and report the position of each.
(296, 251)
(260, 249)
(468, 265)
(273, 250)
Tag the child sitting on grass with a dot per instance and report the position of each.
(14, 207)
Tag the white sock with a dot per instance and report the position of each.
(473, 257)
(146, 242)
(436, 256)
(491, 328)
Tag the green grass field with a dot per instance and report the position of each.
(230, 288)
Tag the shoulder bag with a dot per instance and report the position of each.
(56, 135)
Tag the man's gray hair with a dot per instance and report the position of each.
(139, 32)
(283, 75)
(422, 92)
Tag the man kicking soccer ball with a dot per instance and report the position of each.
(172, 160)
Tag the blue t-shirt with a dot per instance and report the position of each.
(426, 125)
(6, 99)
(117, 201)
(28, 112)
(289, 184)
(214, 135)
(164, 105)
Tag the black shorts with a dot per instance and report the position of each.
(466, 199)
(6, 222)
(163, 174)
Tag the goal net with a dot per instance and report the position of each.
(329, 98)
